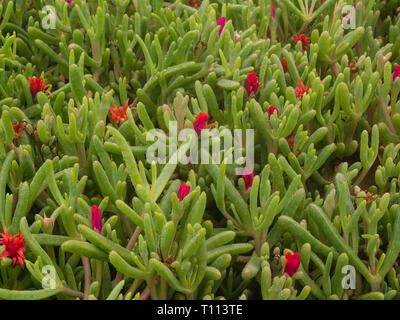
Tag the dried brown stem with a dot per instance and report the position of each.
(88, 276)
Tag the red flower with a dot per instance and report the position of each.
(252, 83)
(17, 128)
(290, 141)
(37, 84)
(14, 247)
(118, 113)
(305, 41)
(396, 73)
(271, 111)
(221, 22)
(268, 33)
(96, 219)
(272, 10)
(248, 179)
(301, 89)
(292, 263)
(201, 122)
(284, 65)
(183, 191)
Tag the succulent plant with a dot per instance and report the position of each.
(85, 214)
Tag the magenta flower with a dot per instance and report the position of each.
(248, 179)
(396, 72)
(183, 191)
(221, 22)
(69, 1)
(96, 219)
(292, 263)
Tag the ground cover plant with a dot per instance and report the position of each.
(84, 214)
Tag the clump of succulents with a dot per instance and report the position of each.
(85, 215)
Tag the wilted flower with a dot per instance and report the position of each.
(290, 141)
(201, 122)
(271, 111)
(193, 3)
(96, 219)
(14, 247)
(284, 65)
(300, 90)
(292, 263)
(252, 83)
(221, 22)
(37, 84)
(119, 113)
(183, 191)
(305, 41)
(248, 179)
(396, 72)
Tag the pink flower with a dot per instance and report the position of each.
(271, 111)
(396, 72)
(96, 219)
(37, 84)
(17, 128)
(292, 263)
(248, 179)
(237, 36)
(183, 191)
(119, 113)
(69, 1)
(252, 83)
(221, 22)
(272, 9)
